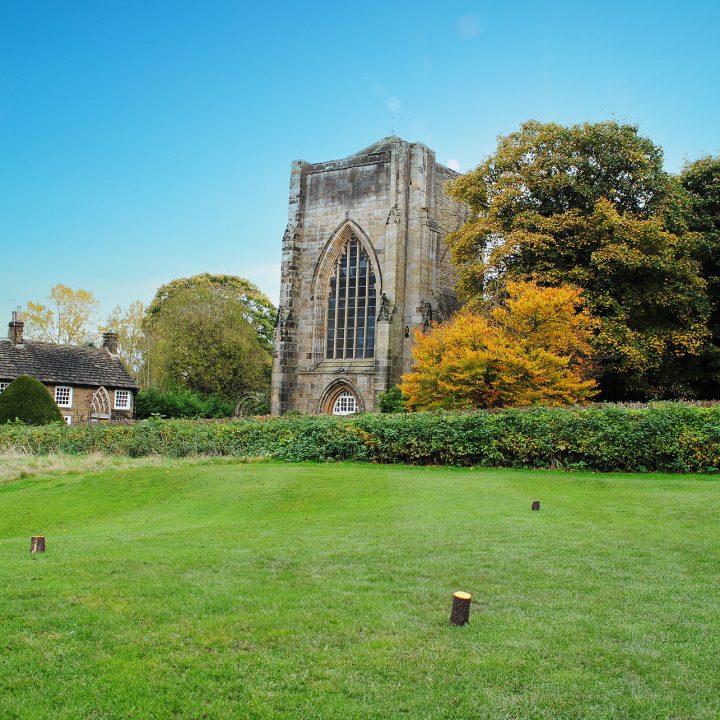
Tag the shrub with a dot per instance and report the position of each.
(28, 400)
(180, 403)
(392, 401)
(669, 437)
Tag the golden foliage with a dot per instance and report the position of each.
(533, 349)
(67, 319)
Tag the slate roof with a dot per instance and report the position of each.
(63, 365)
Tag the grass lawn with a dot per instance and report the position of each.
(223, 590)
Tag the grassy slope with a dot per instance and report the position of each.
(323, 591)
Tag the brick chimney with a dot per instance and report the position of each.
(16, 326)
(110, 342)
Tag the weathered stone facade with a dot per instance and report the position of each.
(380, 215)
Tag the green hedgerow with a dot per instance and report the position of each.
(660, 437)
(28, 400)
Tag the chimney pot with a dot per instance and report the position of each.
(110, 342)
(16, 326)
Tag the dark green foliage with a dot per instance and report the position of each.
(669, 437)
(701, 180)
(180, 404)
(392, 401)
(28, 400)
(591, 205)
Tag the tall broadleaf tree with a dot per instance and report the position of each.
(258, 310)
(701, 180)
(591, 205)
(132, 343)
(200, 339)
(67, 318)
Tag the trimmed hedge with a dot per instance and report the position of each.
(28, 400)
(671, 437)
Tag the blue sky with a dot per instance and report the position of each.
(143, 141)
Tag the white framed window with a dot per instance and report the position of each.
(63, 396)
(3, 385)
(68, 419)
(346, 404)
(123, 399)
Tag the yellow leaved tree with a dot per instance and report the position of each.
(533, 349)
(67, 319)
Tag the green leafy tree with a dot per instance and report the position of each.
(701, 180)
(591, 205)
(393, 401)
(28, 400)
(200, 340)
(257, 308)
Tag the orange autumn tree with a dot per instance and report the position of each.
(534, 349)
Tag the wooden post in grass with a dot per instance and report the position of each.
(37, 544)
(536, 505)
(460, 613)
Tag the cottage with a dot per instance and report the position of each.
(88, 384)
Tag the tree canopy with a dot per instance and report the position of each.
(256, 306)
(200, 339)
(132, 343)
(701, 181)
(533, 348)
(66, 319)
(591, 205)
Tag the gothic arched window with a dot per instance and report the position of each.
(100, 406)
(345, 404)
(351, 305)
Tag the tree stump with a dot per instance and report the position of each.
(460, 613)
(536, 505)
(37, 544)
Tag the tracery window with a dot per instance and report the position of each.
(351, 305)
(345, 404)
(100, 406)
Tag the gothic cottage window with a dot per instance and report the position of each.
(351, 305)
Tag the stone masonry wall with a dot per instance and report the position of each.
(392, 196)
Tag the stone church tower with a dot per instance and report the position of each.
(364, 264)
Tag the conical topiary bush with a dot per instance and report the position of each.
(27, 399)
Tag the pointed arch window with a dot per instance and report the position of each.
(350, 328)
(100, 406)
